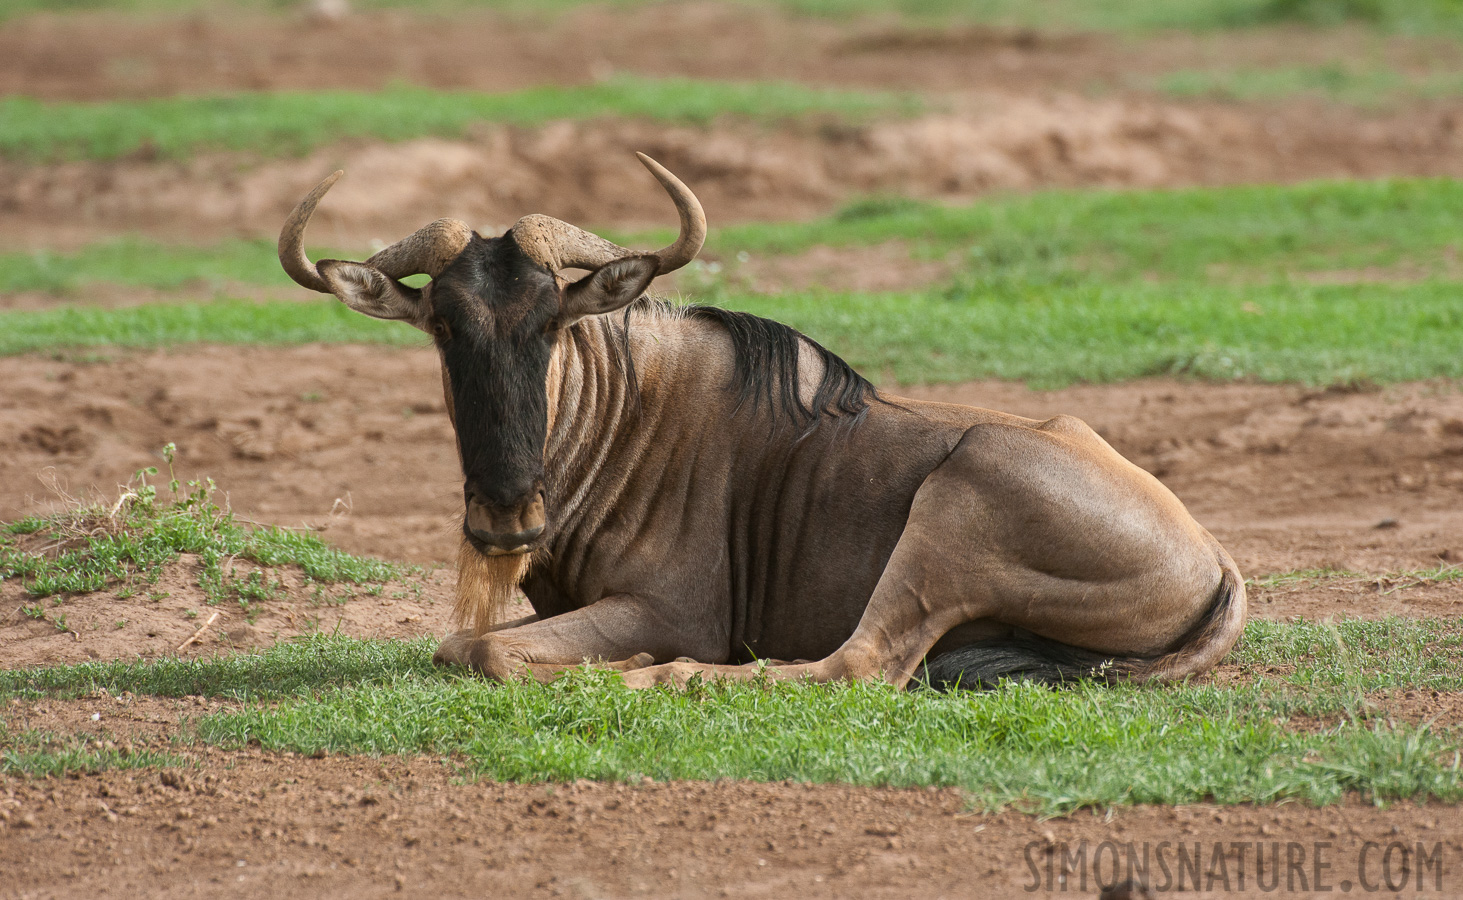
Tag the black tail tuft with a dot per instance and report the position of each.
(980, 666)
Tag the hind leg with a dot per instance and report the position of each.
(1046, 529)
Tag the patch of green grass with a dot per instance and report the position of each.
(292, 123)
(44, 755)
(1357, 655)
(141, 263)
(1050, 751)
(1049, 337)
(1046, 335)
(223, 321)
(1442, 573)
(126, 547)
(297, 669)
(1372, 88)
(1229, 234)
(1053, 287)
(1405, 226)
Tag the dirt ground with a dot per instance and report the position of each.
(354, 441)
(1010, 110)
(252, 824)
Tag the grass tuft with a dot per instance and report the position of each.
(126, 547)
(41, 755)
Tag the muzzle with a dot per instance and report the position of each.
(506, 529)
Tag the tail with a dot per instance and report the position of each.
(980, 666)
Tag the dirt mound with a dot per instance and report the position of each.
(585, 171)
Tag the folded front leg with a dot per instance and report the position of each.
(619, 633)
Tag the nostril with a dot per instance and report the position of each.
(505, 529)
(479, 521)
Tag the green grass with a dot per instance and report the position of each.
(224, 322)
(1409, 16)
(1366, 87)
(1328, 660)
(1050, 751)
(1213, 235)
(41, 755)
(1053, 287)
(125, 548)
(292, 123)
(134, 262)
(1046, 336)
(1229, 234)
(1049, 338)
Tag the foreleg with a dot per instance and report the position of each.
(619, 633)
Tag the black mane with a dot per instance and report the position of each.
(767, 366)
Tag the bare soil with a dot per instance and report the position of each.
(174, 617)
(265, 825)
(354, 440)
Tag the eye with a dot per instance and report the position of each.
(441, 330)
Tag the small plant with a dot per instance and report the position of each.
(125, 545)
(121, 623)
(34, 610)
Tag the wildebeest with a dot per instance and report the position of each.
(689, 490)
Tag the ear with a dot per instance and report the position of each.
(364, 289)
(612, 286)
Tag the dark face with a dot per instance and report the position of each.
(493, 316)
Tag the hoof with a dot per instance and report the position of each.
(453, 650)
(675, 675)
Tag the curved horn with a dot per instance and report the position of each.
(292, 239)
(693, 219)
(558, 245)
(427, 250)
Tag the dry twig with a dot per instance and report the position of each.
(199, 633)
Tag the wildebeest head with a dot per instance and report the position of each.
(495, 308)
